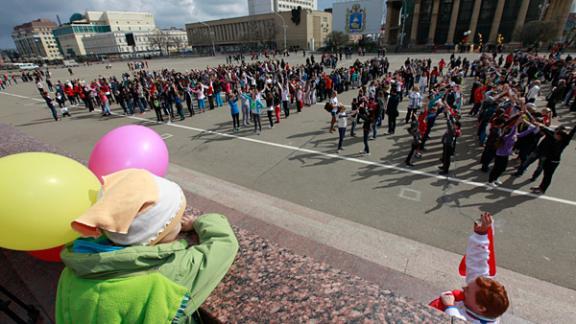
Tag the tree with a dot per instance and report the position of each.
(177, 42)
(158, 40)
(538, 31)
(264, 32)
(337, 39)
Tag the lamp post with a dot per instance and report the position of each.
(283, 26)
(211, 37)
(403, 17)
(543, 8)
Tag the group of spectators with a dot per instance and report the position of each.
(500, 94)
(502, 97)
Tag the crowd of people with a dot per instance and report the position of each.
(502, 97)
(499, 94)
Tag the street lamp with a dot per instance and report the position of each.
(543, 8)
(283, 26)
(211, 36)
(403, 17)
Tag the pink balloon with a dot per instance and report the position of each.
(126, 147)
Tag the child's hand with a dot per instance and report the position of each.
(485, 223)
(447, 298)
(187, 222)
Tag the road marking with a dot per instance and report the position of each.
(410, 194)
(351, 159)
(19, 96)
(349, 106)
(166, 135)
(365, 162)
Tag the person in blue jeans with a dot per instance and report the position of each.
(255, 109)
(50, 104)
(218, 93)
(366, 127)
(179, 107)
(342, 121)
(234, 111)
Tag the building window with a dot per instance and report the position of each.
(463, 22)
(509, 16)
(443, 24)
(485, 19)
(424, 23)
(533, 10)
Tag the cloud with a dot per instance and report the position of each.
(168, 13)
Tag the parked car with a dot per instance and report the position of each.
(70, 63)
(26, 66)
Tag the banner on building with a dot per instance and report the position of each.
(359, 17)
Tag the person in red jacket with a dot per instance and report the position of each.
(441, 65)
(77, 89)
(69, 91)
(478, 97)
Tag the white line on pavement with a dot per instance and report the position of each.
(19, 96)
(382, 165)
(351, 159)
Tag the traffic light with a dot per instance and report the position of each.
(296, 13)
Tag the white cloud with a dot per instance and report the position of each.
(168, 13)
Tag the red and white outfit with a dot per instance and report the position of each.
(477, 255)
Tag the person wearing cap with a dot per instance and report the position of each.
(132, 269)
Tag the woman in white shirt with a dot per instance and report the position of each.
(414, 103)
(285, 98)
(534, 92)
(342, 122)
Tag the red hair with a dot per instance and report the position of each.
(492, 296)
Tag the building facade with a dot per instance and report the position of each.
(123, 20)
(257, 7)
(71, 37)
(34, 40)
(265, 30)
(448, 22)
(115, 44)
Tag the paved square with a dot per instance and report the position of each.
(297, 161)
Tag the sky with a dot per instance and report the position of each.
(168, 13)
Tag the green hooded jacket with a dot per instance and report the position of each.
(165, 283)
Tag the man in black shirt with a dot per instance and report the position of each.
(554, 144)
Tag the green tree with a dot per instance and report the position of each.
(538, 31)
(337, 39)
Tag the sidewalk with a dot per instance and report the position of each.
(410, 268)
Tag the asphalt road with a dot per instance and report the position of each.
(297, 161)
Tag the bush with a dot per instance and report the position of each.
(538, 31)
(337, 39)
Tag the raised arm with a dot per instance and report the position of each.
(477, 252)
(204, 265)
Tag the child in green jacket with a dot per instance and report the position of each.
(134, 270)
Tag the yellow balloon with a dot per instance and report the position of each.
(40, 195)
